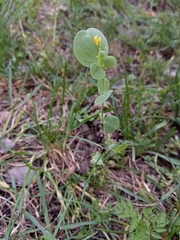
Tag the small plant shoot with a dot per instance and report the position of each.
(92, 50)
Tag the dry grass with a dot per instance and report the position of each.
(53, 124)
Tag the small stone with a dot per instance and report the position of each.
(19, 174)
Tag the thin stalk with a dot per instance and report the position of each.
(102, 119)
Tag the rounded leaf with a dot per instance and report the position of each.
(111, 124)
(104, 44)
(103, 97)
(103, 85)
(97, 72)
(110, 62)
(84, 47)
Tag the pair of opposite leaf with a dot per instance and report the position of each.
(91, 50)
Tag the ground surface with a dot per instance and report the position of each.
(50, 123)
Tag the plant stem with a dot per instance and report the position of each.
(102, 119)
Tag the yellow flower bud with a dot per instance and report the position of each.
(97, 40)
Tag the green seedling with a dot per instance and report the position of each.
(91, 50)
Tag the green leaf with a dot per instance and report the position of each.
(111, 124)
(110, 62)
(97, 159)
(97, 72)
(103, 85)
(85, 50)
(38, 225)
(104, 44)
(103, 97)
(120, 148)
(156, 235)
